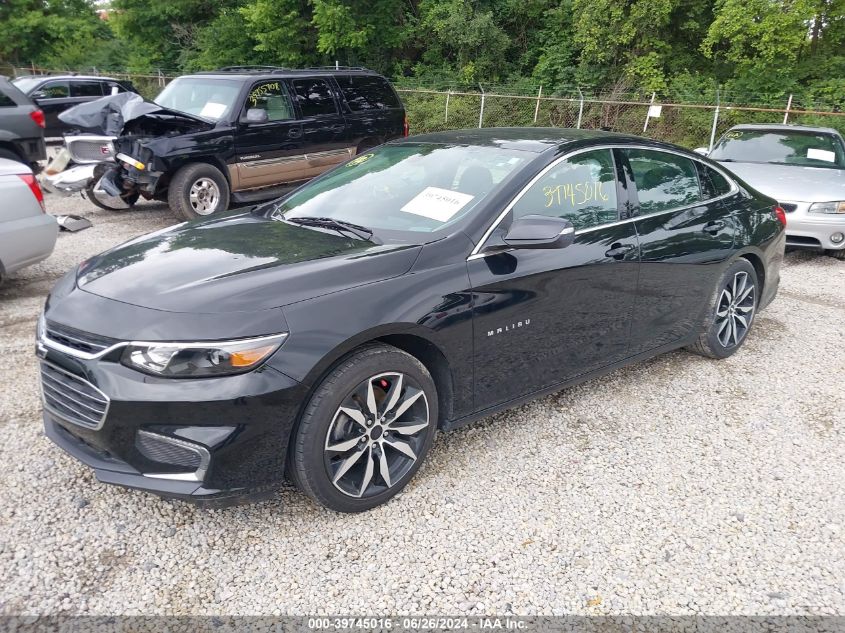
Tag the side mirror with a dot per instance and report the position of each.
(539, 231)
(256, 115)
(701, 150)
(38, 94)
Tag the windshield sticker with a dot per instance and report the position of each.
(213, 110)
(821, 154)
(363, 158)
(437, 204)
(733, 135)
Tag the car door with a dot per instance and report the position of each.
(544, 316)
(53, 97)
(269, 152)
(685, 237)
(324, 127)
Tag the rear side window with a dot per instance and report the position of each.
(271, 97)
(664, 181)
(113, 88)
(713, 184)
(6, 100)
(54, 90)
(363, 92)
(86, 89)
(314, 97)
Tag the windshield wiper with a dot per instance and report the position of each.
(341, 226)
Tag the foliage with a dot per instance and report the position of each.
(755, 50)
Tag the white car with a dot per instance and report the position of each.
(801, 167)
(27, 232)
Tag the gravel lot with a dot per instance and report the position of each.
(677, 486)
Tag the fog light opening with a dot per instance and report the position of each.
(837, 238)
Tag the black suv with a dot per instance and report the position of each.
(248, 134)
(56, 93)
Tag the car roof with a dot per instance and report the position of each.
(531, 139)
(784, 127)
(253, 72)
(51, 77)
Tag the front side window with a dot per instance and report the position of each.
(409, 187)
(314, 97)
(86, 89)
(787, 147)
(581, 189)
(664, 181)
(205, 97)
(54, 90)
(271, 97)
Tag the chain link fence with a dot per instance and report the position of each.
(690, 121)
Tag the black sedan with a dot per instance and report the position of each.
(326, 336)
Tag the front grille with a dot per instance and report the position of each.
(168, 450)
(788, 206)
(77, 339)
(73, 398)
(90, 151)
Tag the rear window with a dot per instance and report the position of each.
(367, 93)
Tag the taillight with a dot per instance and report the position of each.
(38, 117)
(405, 127)
(32, 183)
(780, 214)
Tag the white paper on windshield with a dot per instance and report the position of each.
(213, 110)
(437, 204)
(821, 154)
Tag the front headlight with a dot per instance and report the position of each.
(828, 207)
(193, 360)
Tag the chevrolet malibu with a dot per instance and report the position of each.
(328, 335)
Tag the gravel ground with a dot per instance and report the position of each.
(677, 486)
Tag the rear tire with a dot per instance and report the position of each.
(730, 313)
(366, 430)
(837, 254)
(197, 191)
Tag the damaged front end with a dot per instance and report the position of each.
(145, 137)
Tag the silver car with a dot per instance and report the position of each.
(803, 168)
(27, 232)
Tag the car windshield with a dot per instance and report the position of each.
(405, 187)
(811, 149)
(25, 84)
(204, 97)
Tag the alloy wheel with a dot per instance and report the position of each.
(376, 435)
(204, 196)
(735, 310)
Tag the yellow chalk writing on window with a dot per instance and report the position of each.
(577, 194)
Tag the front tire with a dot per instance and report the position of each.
(110, 203)
(836, 254)
(198, 190)
(365, 431)
(731, 312)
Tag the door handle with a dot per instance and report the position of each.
(618, 251)
(294, 132)
(713, 227)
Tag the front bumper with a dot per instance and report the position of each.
(240, 423)
(812, 230)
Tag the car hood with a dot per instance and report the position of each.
(795, 183)
(236, 263)
(110, 114)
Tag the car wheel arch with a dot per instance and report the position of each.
(421, 347)
(756, 261)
